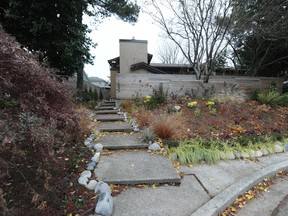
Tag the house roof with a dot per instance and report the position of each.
(143, 65)
(115, 62)
(96, 79)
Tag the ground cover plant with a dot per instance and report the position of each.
(206, 128)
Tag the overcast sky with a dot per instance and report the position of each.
(107, 36)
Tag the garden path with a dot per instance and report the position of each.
(127, 161)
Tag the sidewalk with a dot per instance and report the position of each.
(205, 189)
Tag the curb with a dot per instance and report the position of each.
(229, 195)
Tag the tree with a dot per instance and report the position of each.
(198, 27)
(55, 29)
(169, 53)
(261, 44)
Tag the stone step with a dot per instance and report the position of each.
(108, 103)
(114, 127)
(105, 108)
(130, 168)
(106, 112)
(122, 141)
(108, 118)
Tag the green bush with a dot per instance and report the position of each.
(158, 97)
(272, 98)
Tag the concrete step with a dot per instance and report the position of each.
(105, 108)
(114, 127)
(122, 141)
(136, 168)
(109, 118)
(108, 103)
(106, 112)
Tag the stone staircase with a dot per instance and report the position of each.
(134, 165)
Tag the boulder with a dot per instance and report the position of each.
(91, 185)
(286, 147)
(230, 155)
(96, 156)
(258, 153)
(98, 147)
(86, 173)
(104, 204)
(154, 147)
(83, 180)
(102, 187)
(278, 148)
(264, 152)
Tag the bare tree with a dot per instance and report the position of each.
(198, 27)
(169, 53)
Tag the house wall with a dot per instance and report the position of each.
(133, 85)
(131, 52)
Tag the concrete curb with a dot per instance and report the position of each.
(221, 201)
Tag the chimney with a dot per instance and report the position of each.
(132, 52)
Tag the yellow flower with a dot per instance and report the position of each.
(210, 103)
(147, 99)
(192, 104)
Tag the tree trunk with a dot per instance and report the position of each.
(79, 83)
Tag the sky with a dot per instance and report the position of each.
(107, 35)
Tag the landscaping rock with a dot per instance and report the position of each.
(238, 154)
(230, 156)
(176, 108)
(258, 153)
(174, 157)
(104, 204)
(83, 180)
(278, 148)
(86, 173)
(98, 147)
(245, 155)
(91, 185)
(92, 136)
(252, 153)
(102, 187)
(87, 143)
(154, 147)
(96, 156)
(286, 147)
(264, 152)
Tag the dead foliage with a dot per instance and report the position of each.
(37, 123)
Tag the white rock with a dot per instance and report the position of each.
(99, 147)
(90, 167)
(154, 147)
(83, 180)
(264, 152)
(278, 148)
(177, 108)
(92, 136)
(96, 156)
(174, 157)
(86, 173)
(238, 155)
(286, 147)
(102, 187)
(86, 143)
(245, 155)
(230, 155)
(91, 185)
(104, 204)
(136, 129)
(258, 153)
(252, 153)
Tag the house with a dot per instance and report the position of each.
(133, 75)
(99, 82)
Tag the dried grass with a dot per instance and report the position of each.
(144, 117)
(169, 127)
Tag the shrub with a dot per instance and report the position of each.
(38, 121)
(128, 106)
(272, 98)
(158, 97)
(230, 94)
(148, 135)
(144, 117)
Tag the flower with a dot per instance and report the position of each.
(147, 99)
(210, 103)
(192, 104)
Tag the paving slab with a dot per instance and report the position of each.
(122, 141)
(111, 117)
(217, 177)
(136, 168)
(114, 127)
(161, 201)
(106, 112)
(272, 159)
